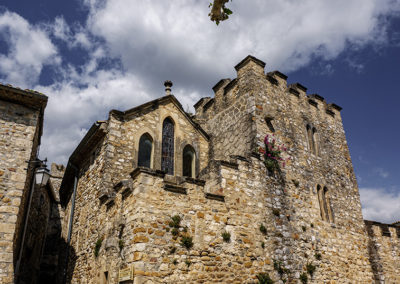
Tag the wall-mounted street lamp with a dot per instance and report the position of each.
(40, 179)
(42, 175)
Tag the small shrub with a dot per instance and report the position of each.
(188, 262)
(304, 278)
(187, 242)
(175, 231)
(172, 250)
(226, 236)
(263, 278)
(296, 183)
(175, 262)
(97, 247)
(175, 222)
(263, 229)
(279, 268)
(121, 244)
(276, 212)
(304, 228)
(262, 245)
(167, 229)
(310, 269)
(318, 256)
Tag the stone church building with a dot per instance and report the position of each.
(256, 187)
(157, 195)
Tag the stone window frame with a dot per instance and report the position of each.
(194, 161)
(152, 148)
(137, 137)
(325, 206)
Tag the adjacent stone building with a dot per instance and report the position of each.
(156, 195)
(21, 124)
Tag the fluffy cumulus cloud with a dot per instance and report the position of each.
(158, 38)
(131, 46)
(29, 49)
(380, 205)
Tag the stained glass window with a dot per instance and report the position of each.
(145, 150)
(167, 155)
(189, 161)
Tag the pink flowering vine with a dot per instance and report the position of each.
(272, 153)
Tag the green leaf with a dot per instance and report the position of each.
(210, 5)
(227, 11)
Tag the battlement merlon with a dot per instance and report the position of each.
(381, 229)
(252, 66)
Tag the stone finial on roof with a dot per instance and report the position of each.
(168, 84)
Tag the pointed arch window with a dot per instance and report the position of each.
(167, 155)
(189, 162)
(145, 151)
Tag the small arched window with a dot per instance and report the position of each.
(145, 151)
(189, 162)
(167, 155)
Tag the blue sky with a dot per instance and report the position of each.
(90, 56)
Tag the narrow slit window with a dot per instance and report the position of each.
(309, 139)
(167, 155)
(315, 141)
(324, 204)
(145, 151)
(189, 162)
(328, 205)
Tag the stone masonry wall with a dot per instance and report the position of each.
(384, 246)
(304, 233)
(115, 157)
(274, 218)
(18, 143)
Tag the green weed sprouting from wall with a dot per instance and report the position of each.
(226, 236)
(187, 242)
(97, 247)
(263, 278)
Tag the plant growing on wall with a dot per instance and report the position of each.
(263, 278)
(272, 154)
(263, 229)
(310, 269)
(97, 247)
(226, 236)
(187, 242)
(304, 278)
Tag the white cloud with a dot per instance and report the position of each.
(380, 205)
(381, 172)
(30, 48)
(152, 36)
(158, 40)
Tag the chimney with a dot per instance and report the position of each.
(168, 84)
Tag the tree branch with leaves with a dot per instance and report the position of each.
(219, 12)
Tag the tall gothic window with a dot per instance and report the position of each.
(145, 151)
(189, 162)
(167, 155)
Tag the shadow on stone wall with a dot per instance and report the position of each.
(54, 261)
